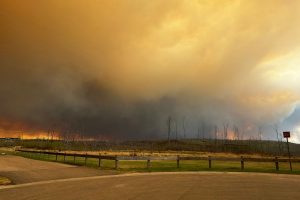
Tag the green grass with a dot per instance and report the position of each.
(4, 181)
(169, 166)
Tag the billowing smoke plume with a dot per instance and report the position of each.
(119, 69)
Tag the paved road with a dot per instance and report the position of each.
(23, 170)
(48, 180)
(162, 186)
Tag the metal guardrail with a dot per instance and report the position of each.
(100, 157)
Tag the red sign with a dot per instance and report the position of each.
(286, 134)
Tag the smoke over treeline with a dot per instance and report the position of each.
(119, 69)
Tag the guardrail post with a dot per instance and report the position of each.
(85, 159)
(209, 162)
(178, 159)
(116, 162)
(276, 164)
(99, 162)
(148, 163)
(242, 163)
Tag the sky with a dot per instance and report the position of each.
(117, 69)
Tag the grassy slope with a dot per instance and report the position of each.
(157, 166)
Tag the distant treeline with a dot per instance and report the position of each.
(200, 145)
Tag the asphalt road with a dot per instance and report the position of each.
(22, 170)
(162, 186)
(47, 180)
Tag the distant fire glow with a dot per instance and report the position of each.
(120, 69)
(28, 135)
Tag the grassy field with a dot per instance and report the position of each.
(162, 166)
(4, 181)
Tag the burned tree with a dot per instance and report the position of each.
(279, 137)
(169, 128)
(183, 127)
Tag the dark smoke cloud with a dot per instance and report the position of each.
(119, 69)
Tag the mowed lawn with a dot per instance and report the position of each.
(169, 165)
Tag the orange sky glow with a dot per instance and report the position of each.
(120, 68)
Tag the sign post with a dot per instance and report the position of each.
(287, 134)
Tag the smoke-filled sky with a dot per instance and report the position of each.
(119, 68)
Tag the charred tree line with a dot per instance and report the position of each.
(181, 136)
(251, 146)
(224, 136)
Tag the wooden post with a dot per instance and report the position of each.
(276, 164)
(116, 162)
(209, 162)
(99, 162)
(56, 156)
(148, 164)
(65, 157)
(242, 163)
(85, 159)
(178, 159)
(287, 141)
(74, 157)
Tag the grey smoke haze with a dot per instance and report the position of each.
(118, 69)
